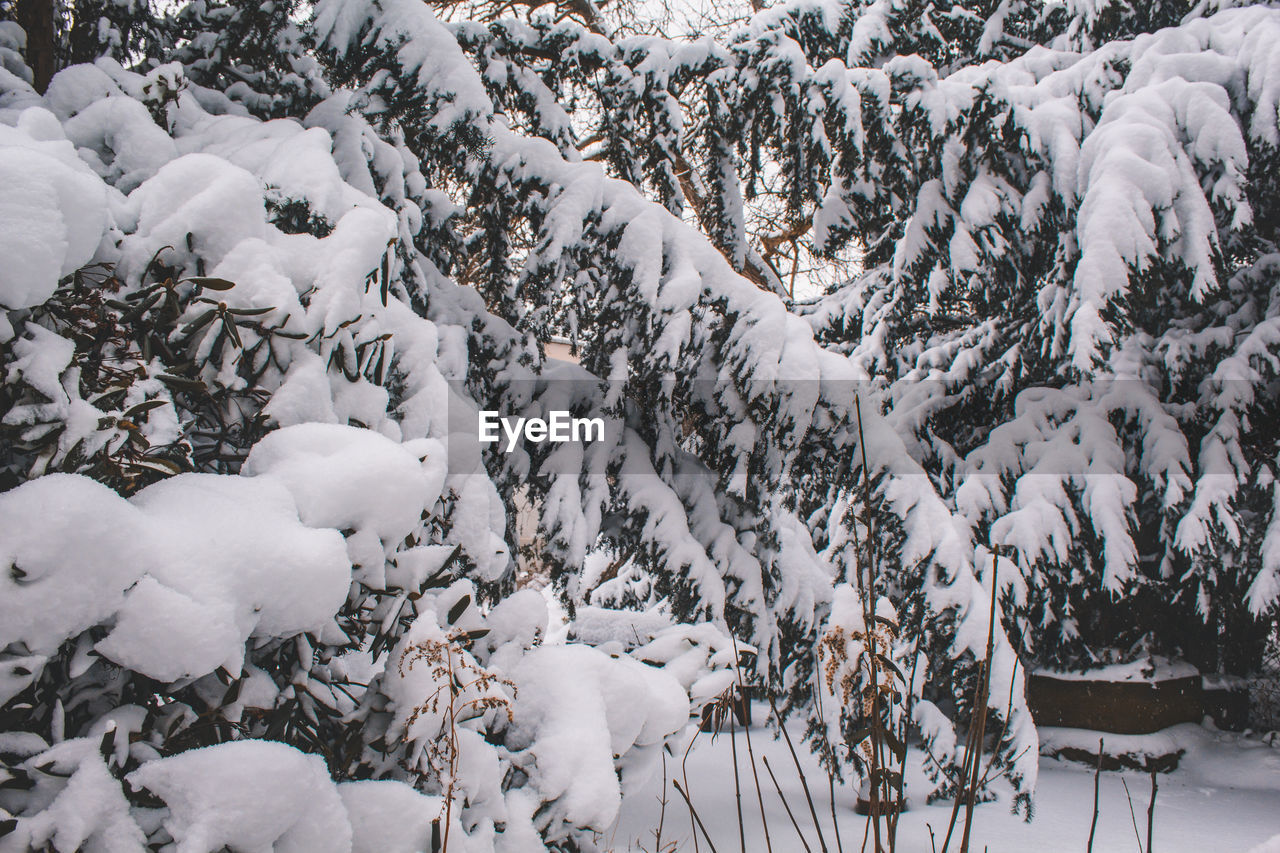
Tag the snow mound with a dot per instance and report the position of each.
(580, 708)
(391, 817)
(344, 477)
(248, 795)
(1271, 845)
(190, 568)
(70, 549)
(53, 210)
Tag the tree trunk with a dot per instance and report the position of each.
(36, 18)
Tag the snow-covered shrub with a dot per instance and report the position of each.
(235, 550)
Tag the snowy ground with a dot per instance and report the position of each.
(1224, 797)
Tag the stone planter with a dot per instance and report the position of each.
(1138, 698)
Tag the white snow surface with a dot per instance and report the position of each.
(1222, 798)
(1153, 668)
(248, 795)
(580, 708)
(53, 211)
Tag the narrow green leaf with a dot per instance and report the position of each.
(210, 283)
(458, 608)
(143, 407)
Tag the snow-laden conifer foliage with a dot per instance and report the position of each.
(264, 265)
(241, 575)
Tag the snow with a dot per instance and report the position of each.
(1150, 669)
(343, 477)
(127, 147)
(169, 635)
(1136, 158)
(190, 567)
(248, 795)
(391, 817)
(72, 546)
(1222, 798)
(236, 545)
(579, 708)
(218, 203)
(90, 812)
(53, 213)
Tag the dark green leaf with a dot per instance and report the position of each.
(211, 283)
(143, 407)
(108, 745)
(182, 382)
(890, 665)
(232, 330)
(859, 736)
(458, 608)
(200, 322)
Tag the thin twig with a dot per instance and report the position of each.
(982, 708)
(785, 804)
(878, 776)
(751, 756)
(737, 784)
(684, 770)
(1151, 809)
(961, 789)
(1097, 781)
(813, 812)
(694, 812)
(1132, 817)
(831, 781)
(830, 755)
(662, 805)
(900, 795)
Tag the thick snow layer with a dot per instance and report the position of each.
(89, 812)
(248, 795)
(391, 817)
(218, 203)
(73, 547)
(344, 477)
(190, 567)
(579, 708)
(121, 141)
(236, 545)
(53, 209)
